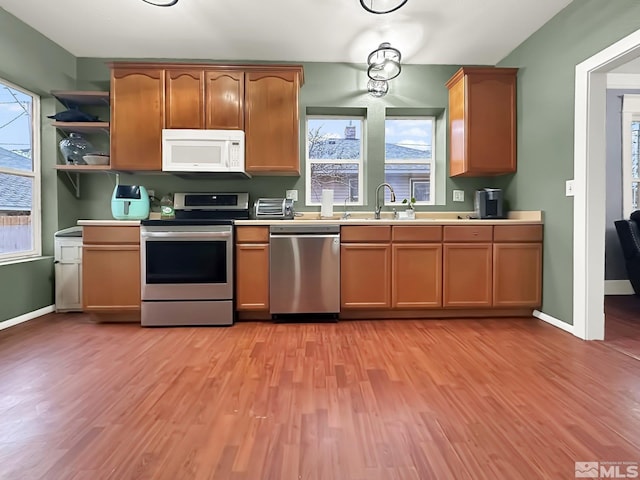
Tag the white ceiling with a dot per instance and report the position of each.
(478, 32)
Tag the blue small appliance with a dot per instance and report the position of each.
(130, 202)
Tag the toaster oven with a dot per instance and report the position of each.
(274, 209)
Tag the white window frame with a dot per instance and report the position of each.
(36, 205)
(431, 162)
(360, 162)
(630, 113)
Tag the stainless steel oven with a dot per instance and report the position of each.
(187, 263)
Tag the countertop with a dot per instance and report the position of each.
(366, 218)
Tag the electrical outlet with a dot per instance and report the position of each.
(292, 195)
(458, 195)
(569, 192)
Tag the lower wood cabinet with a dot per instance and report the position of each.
(467, 275)
(365, 275)
(517, 269)
(417, 275)
(111, 269)
(252, 268)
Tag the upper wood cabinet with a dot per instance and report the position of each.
(482, 121)
(271, 122)
(224, 99)
(137, 118)
(184, 99)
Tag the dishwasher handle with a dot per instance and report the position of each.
(308, 235)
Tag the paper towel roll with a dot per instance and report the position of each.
(327, 203)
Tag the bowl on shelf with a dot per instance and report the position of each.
(96, 159)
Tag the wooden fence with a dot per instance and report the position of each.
(16, 233)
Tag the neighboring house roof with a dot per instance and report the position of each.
(349, 149)
(15, 191)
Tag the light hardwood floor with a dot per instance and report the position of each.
(357, 400)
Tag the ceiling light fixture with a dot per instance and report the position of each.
(378, 88)
(382, 6)
(384, 63)
(161, 3)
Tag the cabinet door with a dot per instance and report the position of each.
(417, 276)
(252, 277)
(224, 92)
(137, 119)
(517, 274)
(365, 275)
(184, 99)
(467, 272)
(482, 121)
(271, 118)
(68, 286)
(110, 278)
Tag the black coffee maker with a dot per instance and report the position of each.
(488, 203)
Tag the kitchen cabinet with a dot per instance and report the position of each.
(271, 122)
(482, 121)
(137, 117)
(467, 266)
(111, 269)
(517, 266)
(252, 268)
(199, 98)
(417, 267)
(224, 99)
(184, 98)
(365, 267)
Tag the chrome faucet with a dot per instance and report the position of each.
(378, 206)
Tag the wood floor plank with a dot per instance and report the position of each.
(356, 400)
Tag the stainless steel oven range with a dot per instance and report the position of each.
(187, 262)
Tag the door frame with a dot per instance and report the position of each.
(589, 184)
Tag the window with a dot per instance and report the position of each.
(334, 159)
(408, 164)
(19, 172)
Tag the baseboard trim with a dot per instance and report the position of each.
(553, 321)
(618, 287)
(26, 317)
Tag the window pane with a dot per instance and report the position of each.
(408, 157)
(16, 228)
(342, 178)
(635, 126)
(334, 139)
(408, 180)
(15, 129)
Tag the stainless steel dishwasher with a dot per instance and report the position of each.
(304, 272)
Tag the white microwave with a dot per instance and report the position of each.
(212, 151)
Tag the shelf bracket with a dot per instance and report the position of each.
(75, 184)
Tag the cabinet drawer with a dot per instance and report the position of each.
(252, 234)
(377, 233)
(416, 234)
(468, 233)
(517, 233)
(100, 235)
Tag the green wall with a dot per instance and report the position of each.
(30, 60)
(328, 86)
(546, 85)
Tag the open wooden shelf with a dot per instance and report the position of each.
(83, 168)
(76, 98)
(81, 127)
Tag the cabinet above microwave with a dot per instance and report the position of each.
(203, 151)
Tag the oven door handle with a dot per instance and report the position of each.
(183, 235)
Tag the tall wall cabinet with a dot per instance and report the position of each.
(482, 121)
(260, 99)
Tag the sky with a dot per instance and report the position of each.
(410, 133)
(15, 124)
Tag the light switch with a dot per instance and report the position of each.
(458, 195)
(292, 195)
(569, 188)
